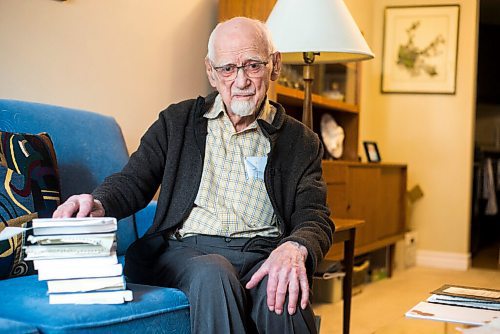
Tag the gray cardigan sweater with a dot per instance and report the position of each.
(171, 154)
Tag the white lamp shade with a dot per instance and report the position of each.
(323, 26)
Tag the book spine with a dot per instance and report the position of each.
(105, 297)
(86, 284)
(80, 272)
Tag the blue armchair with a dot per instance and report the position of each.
(89, 147)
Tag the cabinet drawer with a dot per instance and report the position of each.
(334, 173)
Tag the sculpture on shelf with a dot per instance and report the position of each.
(334, 93)
(333, 136)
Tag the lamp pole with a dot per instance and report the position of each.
(308, 76)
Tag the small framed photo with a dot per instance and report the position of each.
(371, 150)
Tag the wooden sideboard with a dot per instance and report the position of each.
(373, 192)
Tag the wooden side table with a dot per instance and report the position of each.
(345, 231)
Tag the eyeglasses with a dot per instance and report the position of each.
(253, 69)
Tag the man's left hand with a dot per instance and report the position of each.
(286, 269)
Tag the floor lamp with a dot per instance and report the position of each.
(308, 32)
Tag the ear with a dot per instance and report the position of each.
(210, 73)
(276, 66)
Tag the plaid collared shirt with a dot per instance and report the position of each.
(232, 200)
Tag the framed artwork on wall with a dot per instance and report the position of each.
(420, 49)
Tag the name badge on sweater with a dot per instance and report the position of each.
(255, 166)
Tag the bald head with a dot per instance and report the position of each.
(233, 29)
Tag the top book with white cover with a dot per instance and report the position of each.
(49, 226)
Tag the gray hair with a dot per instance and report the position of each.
(262, 31)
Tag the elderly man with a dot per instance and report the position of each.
(242, 219)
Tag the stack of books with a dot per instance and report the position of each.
(466, 296)
(77, 258)
(461, 304)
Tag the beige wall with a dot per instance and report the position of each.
(433, 134)
(124, 58)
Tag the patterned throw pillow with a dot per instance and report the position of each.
(29, 189)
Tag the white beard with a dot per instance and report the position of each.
(243, 108)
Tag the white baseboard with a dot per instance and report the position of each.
(443, 260)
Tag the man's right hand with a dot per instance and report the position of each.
(83, 205)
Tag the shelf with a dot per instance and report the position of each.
(336, 253)
(296, 97)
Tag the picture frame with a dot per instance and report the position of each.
(420, 49)
(371, 151)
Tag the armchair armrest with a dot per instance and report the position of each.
(144, 218)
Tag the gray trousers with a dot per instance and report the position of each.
(212, 272)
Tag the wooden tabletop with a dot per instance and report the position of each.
(343, 233)
(342, 224)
